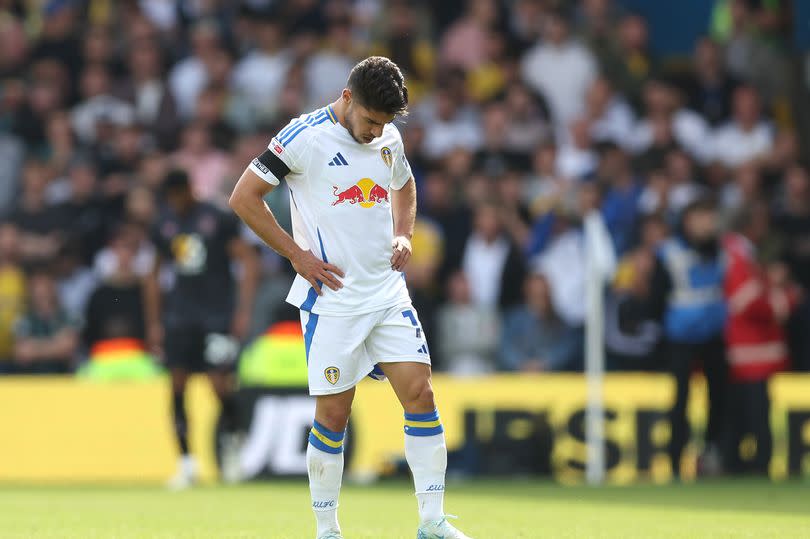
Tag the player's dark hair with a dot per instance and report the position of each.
(377, 84)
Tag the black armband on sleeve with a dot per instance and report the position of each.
(268, 162)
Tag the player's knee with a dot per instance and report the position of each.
(420, 399)
(334, 418)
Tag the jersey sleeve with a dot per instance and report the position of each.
(284, 154)
(401, 168)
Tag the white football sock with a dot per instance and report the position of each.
(426, 453)
(325, 469)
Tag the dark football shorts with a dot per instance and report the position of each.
(198, 349)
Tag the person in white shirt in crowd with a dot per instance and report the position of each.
(663, 102)
(747, 137)
(260, 76)
(98, 104)
(468, 332)
(609, 117)
(560, 69)
(191, 75)
(576, 157)
(452, 125)
(325, 70)
(491, 262)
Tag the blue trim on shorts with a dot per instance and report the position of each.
(312, 323)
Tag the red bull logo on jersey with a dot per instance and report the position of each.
(365, 192)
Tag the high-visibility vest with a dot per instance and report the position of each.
(119, 359)
(697, 310)
(277, 358)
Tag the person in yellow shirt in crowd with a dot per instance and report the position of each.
(12, 293)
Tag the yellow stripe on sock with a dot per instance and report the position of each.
(423, 424)
(327, 441)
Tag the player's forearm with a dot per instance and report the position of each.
(255, 214)
(403, 207)
(151, 299)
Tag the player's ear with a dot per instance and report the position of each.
(346, 95)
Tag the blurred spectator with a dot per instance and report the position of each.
(206, 164)
(576, 158)
(259, 76)
(747, 136)
(468, 332)
(709, 86)
(687, 297)
(115, 308)
(84, 210)
(148, 92)
(189, 76)
(528, 118)
(98, 105)
(12, 292)
(75, 281)
(632, 332)
(327, 70)
(560, 69)
(45, 337)
(452, 126)
(42, 229)
(628, 63)
(534, 338)
(465, 43)
(11, 155)
(492, 264)
(759, 301)
(622, 192)
(609, 117)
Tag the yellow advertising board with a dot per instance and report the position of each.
(65, 430)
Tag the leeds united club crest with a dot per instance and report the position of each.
(332, 375)
(386, 156)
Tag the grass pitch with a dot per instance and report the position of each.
(488, 510)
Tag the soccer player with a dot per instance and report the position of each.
(353, 204)
(205, 313)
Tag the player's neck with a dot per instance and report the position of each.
(339, 108)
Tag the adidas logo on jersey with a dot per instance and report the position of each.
(338, 161)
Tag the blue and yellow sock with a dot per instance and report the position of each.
(426, 453)
(423, 424)
(326, 440)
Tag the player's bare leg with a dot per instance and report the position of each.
(325, 459)
(222, 382)
(425, 447)
(186, 473)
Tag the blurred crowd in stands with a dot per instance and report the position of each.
(525, 116)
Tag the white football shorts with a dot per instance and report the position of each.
(342, 350)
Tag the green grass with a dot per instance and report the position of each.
(488, 510)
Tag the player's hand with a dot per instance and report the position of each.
(402, 252)
(313, 269)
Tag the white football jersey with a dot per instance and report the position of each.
(341, 210)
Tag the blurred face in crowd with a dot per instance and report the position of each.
(269, 36)
(363, 124)
(59, 130)
(9, 243)
(180, 198)
(797, 184)
(544, 160)
(43, 293)
(140, 205)
(152, 169)
(437, 191)
(35, 181)
(13, 42)
(97, 46)
(701, 226)
(82, 181)
(555, 30)
(746, 107)
(487, 223)
(679, 167)
(204, 40)
(95, 81)
(748, 180)
(708, 61)
(653, 232)
(484, 12)
(196, 139)
(145, 61)
(598, 97)
(458, 288)
(633, 33)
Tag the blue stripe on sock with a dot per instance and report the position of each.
(430, 416)
(332, 435)
(317, 444)
(418, 431)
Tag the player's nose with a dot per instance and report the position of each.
(377, 131)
